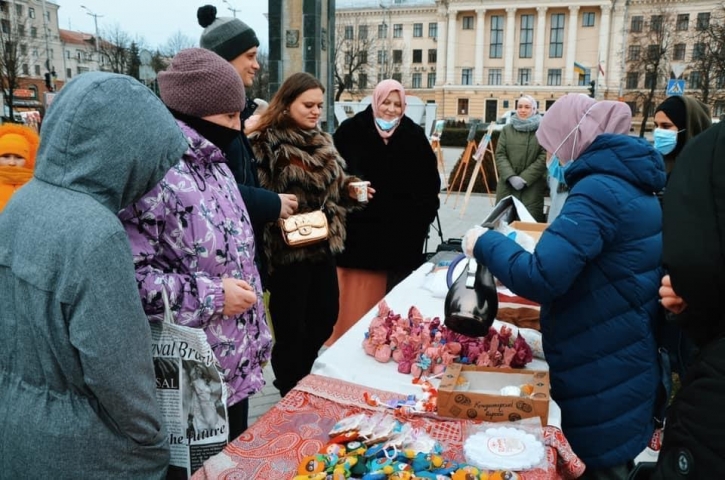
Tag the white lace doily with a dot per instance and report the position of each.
(503, 448)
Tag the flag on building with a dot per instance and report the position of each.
(580, 69)
(601, 69)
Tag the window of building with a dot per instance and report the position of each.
(397, 56)
(553, 76)
(637, 24)
(35, 52)
(5, 25)
(679, 51)
(417, 80)
(37, 70)
(398, 77)
(585, 78)
(588, 19)
(31, 12)
(26, 69)
(362, 81)
(698, 51)
(556, 42)
(467, 76)
(655, 23)
(695, 80)
(653, 52)
(433, 30)
(382, 57)
(494, 76)
(80, 70)
(683, 21)
(634, 52)
(398, 30)
(463, 106)
(703, 20)
(348, 81)
(650, 80)
(381, 77)
(417, 56)
(526, 47)
(496, 47)
(19, 10)
(363, 57)
(33, 32)
(21, 30)
(349, 32)
(432, 55)
(23, 49)
(632, 80)
(348, 57)
(431, 80)
(383, 30)
(47, 15)
(524, 76)
(417, 29)
(467, 22)
(68, 73)
(362, 32)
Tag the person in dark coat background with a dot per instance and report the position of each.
(595, 271)
(693, 253)
(384, 240)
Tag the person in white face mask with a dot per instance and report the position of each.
(677, 120)
(384, 146)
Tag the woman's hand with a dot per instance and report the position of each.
(352, 191)
(470, 239)
(239, 296)
(670, 300)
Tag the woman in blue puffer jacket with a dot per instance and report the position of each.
(595, 272)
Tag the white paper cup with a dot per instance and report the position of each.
(361, 190)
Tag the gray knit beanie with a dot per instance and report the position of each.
(200, 83)
(227, 37)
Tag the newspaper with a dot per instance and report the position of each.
(191, 394)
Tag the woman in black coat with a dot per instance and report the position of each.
(384, 240)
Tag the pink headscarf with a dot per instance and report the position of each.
(381, 92)
(575, 120)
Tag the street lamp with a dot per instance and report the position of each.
(232, 9)
(95, 21)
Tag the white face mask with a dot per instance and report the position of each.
(575, 132)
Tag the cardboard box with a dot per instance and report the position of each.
(532, 228)
(482, 400)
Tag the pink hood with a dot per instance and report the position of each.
(575, 120)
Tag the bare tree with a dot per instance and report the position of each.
(176, 43)
(707, 68)
(354, 44)
(650, 42)
(14, 48)
(114, 46)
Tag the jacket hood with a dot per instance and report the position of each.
(694, 233)
(630, 158)
(110, 137)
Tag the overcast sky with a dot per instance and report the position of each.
(157, 20)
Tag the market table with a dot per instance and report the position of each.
(299, 424)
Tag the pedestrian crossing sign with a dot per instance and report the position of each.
(675, 87)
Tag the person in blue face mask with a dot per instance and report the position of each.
(677, 120)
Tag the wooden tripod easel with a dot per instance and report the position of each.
(479, 156)
(435, 144)
(461, 171)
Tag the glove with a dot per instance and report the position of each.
(470, 239)
(517, 182)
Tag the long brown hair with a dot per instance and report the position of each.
(277, 112)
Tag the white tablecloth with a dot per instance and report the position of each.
(346, 359)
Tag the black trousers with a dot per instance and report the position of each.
(303, 304)
(238, 417)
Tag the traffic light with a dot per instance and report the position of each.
(48, 82)
(592, 88)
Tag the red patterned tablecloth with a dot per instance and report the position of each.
(297, 426)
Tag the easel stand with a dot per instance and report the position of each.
(435, 144)
(461, 171)
(480, 156)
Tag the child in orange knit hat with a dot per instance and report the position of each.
(18, 146)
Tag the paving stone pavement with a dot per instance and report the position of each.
(454, 222)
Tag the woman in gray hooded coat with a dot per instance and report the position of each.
(77, 383)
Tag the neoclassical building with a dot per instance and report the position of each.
(475, 57)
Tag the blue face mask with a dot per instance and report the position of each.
(556, 170)
(665, 140)
(386, 125)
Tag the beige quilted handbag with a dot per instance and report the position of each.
(304, 228)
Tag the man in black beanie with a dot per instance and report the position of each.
(236, 42)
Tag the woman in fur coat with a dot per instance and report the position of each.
(296, 157)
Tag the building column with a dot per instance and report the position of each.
(571, 46)
(540, 46)
(603, 47)
(508, 48)
(442, 42)
(480, 32)
(451, 50)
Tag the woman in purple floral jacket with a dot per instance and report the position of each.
(191, 233)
